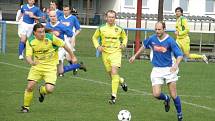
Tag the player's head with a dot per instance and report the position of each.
(66, 10)
(53, 5)
(110, 17)
(160, 28)
(39, 31)
(178, 11)
(31, 2)
(53, 16)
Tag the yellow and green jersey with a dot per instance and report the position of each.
(182, 27)
(44, 51)
(111, 38)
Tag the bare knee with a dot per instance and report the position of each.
(49, 88)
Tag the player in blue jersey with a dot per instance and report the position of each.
(54, 7)
(163, 48)
(29, 13)
(72, 23)
(59, 30)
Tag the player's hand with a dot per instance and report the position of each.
(34, 63)
(122, 47)
(100, 48)
(176, 33)
(174, 68)
(131, 60)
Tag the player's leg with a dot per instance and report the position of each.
(33, 76)
(171, 83)
(176, 99)
(157, 81)
(22, 46)
(50, 78)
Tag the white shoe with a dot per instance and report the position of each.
(21, 57)
(205, 59)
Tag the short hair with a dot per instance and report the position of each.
(65, 6)
(180, 9)
(110, 11)
(163, 24)
(55, 2)
(36, 26)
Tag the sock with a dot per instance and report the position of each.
(21, 47)
(115, 84)
(195, 56)
(43, 90)
(71, 67)
(27, 98)
(121, 80)
(162, 97)
(177, 103)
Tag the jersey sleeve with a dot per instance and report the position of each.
(95, 38)
(29, 50)
(76, 23)
(58, 42)
(124, 37)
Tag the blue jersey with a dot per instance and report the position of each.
(70, 21)
(59, 30)
(25, 11)
(162, 51)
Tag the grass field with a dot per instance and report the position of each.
(84, 98)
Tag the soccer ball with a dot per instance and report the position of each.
(124, 115)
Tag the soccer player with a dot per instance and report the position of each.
(59, 30)
(42, 55)
(182, 37)
(53, 7)
(72, 23)
(113, 40)
(30, 13)
(163, 47)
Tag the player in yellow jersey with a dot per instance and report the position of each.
(113, 40)
(42, 55)
(182, 37)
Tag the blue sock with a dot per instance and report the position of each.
(71, 67)
(162, 97)
(21, 47)
(177, 103)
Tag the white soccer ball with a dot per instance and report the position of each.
(124, 115)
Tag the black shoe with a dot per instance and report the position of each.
(112, 100)
(124, 86)
(180, 117)
(24, 109)
(75, 72)
(167, 104)
(82, 66)
(42, 96)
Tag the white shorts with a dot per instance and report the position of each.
(26, 29)
(159, 75)
(68, 42)
(61, 54)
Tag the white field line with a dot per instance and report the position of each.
(134, 90)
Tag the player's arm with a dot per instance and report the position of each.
(178, 55)
(131, 60)
(184, 27)
(124, 39)
(95, 38)
(29, 53)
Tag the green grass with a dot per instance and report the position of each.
(84, 98)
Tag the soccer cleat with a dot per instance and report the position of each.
(180, 117)
(21, 57)
(42, 96)
(124, 86)
(82, 66)
(24, 109)
(112, 100)
(205, 59)
(167, 104)
(75, 72)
